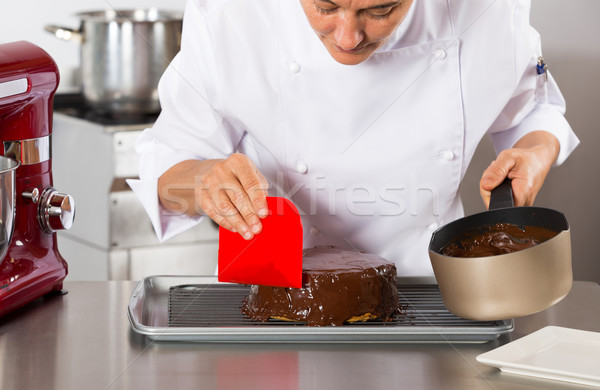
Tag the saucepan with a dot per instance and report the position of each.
(123, 55)
(506, 285)
(8, 167)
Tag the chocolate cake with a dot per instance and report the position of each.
(496, 239)
(338, 286)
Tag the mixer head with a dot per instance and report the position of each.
(28, 79)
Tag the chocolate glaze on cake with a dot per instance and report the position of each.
(496, 239)
(337, 286)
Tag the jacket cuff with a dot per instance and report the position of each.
(547, 118)
(166, 223)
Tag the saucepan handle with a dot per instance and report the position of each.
(502, 196)
(65, 33)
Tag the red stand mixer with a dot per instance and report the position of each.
(32, 266)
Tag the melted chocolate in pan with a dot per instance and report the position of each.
(496, 239)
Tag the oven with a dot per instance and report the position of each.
(112, 237)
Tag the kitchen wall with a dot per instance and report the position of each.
(571, 48)
(569, 40)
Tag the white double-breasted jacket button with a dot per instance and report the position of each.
(301, 166)
(447, 155)
(433, 226)
(440, 54)
(314, 231)
(295, 67)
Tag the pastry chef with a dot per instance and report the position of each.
(364, 113)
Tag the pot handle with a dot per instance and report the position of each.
(502, 196)
(65, 33)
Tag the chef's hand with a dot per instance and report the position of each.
(231, 191)
(527, 163)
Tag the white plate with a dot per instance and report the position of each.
(553, 352)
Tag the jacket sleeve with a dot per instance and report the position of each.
(189, 126)
(536, 104)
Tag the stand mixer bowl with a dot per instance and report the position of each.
(7, 202)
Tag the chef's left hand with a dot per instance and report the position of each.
(527, 163)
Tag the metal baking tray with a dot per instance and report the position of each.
(212, 313)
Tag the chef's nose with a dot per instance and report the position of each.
(348, 32)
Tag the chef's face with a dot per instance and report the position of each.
(352, 30)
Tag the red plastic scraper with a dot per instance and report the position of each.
(273, 257)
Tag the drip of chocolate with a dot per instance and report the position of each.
(337, 286)
(496, 239)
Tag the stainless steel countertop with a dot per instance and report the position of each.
(83, 341)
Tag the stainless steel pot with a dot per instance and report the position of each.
(8, 167)
(123, 55)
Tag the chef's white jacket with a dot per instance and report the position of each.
(372, 154)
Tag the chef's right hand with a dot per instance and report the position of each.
(232, 192)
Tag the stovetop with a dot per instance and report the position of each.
(73, 104)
